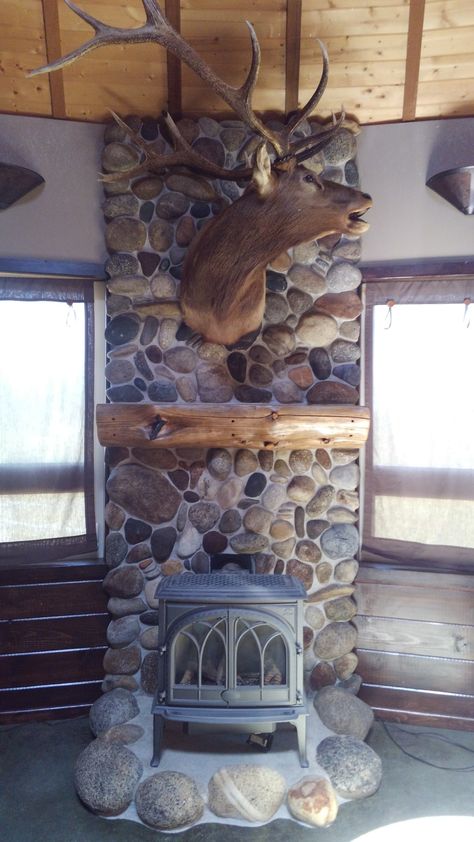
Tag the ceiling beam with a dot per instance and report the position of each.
(173, 64)
(293, 48)
(53, 51)
(413, 56)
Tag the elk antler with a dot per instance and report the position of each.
(183, 156)
(158, 29)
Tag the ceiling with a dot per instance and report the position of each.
(389, 60)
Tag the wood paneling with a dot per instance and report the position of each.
(376, 70)
(416, 645)
(53, 623)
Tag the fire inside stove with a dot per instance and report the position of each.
(231, 651)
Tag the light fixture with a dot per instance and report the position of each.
(456, 186)
(16, 182)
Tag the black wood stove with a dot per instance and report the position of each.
(231, 654)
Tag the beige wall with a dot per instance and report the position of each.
(61, 220)
(409, 220)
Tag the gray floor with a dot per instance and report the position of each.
(38, 802)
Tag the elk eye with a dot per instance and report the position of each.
(309, 178)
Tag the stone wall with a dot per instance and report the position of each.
(169, 510)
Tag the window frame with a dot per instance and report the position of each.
(70, 271)
(443, 272)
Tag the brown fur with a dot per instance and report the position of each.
(223, 287)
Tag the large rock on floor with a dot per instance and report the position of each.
(342, 712)
(168, 800)
(106, 776)
(113, 708)
(313, 800)
(246, 791)
(354, 769)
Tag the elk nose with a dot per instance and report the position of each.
(367, 196)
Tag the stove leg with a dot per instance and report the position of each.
(300, 725)
(158, 728)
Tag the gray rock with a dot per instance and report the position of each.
(148, 188)
(111, 682)
(257, 519)
(122, 632)
(114, 708)
(160, 235)
(122, 661)
(342, 712)
(276, 308)
(171, 205)
(306, 280)
(340, 540)
(308, 551)
(124, 233)
(149, 673)
(124, 582)
(340, 610)
(122, 264)
(180, 359)
(230, 521)
(345, 476)
(119, 157)
(124, 607)
(124, 734)
(122, 205)
(334, 640)
(354, 769)
(204, 515)
(246, 791)
(303, 572)
(284, 549)
(279, 339)
(301, 489)
(341, 148)
(316, 329)
(320, 502)
(273, 497)
(346, 571)
(105, 777)
(287, 392)
(314, 617)
(248, 542)
(343, 277)
(119, 371)
(343, 351)
(115, 549)
(245, 462)
(213, 384)
(332, 392)
(192, 186)
(167, 800)
(149, 638)
(189, 541)
(144, 493)
(300, 461)
(219, 463)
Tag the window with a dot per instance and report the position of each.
(419, 478)
(46, 419)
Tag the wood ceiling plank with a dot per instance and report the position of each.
(53, 52)
(412, 67)
(173, 13)
(292, 65)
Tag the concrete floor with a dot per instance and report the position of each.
(38, 802)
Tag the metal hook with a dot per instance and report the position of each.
(388, 318)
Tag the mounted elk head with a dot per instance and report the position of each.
(285, 203)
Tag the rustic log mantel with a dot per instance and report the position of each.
(217, 425)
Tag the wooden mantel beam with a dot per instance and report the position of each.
(217, 425)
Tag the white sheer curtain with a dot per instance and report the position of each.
(45, 495)
(419, 495)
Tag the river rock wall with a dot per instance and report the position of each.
(170, 510)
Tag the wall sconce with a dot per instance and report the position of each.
(16, 182)
(456, 186)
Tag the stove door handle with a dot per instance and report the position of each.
(229, 696)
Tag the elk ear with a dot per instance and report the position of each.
(262, 178)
